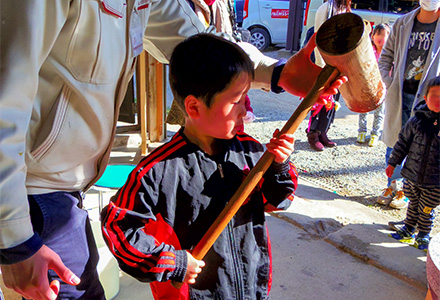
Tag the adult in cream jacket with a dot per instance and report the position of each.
(392, 68)
(64, 70)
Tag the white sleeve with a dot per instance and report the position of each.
(28, 30)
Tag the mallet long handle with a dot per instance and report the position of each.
(327, 75)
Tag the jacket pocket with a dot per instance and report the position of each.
(60, 114)
(97, 48)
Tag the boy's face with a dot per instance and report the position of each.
(433, 99)
(225, 116)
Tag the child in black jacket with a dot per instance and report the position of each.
(419, 144)
(175, 193)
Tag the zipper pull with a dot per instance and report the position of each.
(220, 168)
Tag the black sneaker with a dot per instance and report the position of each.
(404, 236)
(396, 226)
(422, 242)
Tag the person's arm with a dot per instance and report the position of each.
(386, 58)
(401, 148)
(320, 18)
(28, 30)
(140, 238)
(171, 21)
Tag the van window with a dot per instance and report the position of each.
(401, 6)
(371, 5)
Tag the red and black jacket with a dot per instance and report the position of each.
(170, 200)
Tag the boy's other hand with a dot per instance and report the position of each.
(281, 147)
(389, 171)
(194, 268)
(300, 73)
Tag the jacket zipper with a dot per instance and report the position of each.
(238, 277)
(421, 178)
(220, 169)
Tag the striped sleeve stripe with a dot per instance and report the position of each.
(134, 181)
(112, 233)
(127, 253)
(293, 174)
(242, 137)
(132, 259)
(134, 178)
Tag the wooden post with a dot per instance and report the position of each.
(141, 87)
(155, 100)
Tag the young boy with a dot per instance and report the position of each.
(175, 193)
(419, 142)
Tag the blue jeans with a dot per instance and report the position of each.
(65, 228)
(407, 104)
(396, 174)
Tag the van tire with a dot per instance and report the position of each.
(260, 38)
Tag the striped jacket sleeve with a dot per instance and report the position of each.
(140, 238)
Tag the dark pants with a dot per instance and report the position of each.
(421, 207)
(322, 121)
(65, 228)
(407, 104)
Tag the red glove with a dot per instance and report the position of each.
(389, 171)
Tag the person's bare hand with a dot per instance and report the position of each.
(300, 73)
(193, 270)
(281, 147)
(29, 277)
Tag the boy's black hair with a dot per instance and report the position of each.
(204, 65)
(431, 83)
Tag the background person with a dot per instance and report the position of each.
(379, 37)
(409, 59)
(322, 116)
(419, 143)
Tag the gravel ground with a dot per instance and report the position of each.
(352, 170)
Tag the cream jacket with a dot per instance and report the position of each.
(64, 70)
(392, 60)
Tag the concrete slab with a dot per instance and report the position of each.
(371, 243)
(321, 212)
(356, 229)
(306, 267)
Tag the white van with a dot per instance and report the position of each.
(375, 11)
(267, 19)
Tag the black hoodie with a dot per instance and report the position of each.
(419, 143)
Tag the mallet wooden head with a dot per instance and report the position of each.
(344, 43)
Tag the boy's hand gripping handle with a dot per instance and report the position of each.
(327, 75)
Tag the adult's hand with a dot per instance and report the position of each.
(29, 277)
(299, 74)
